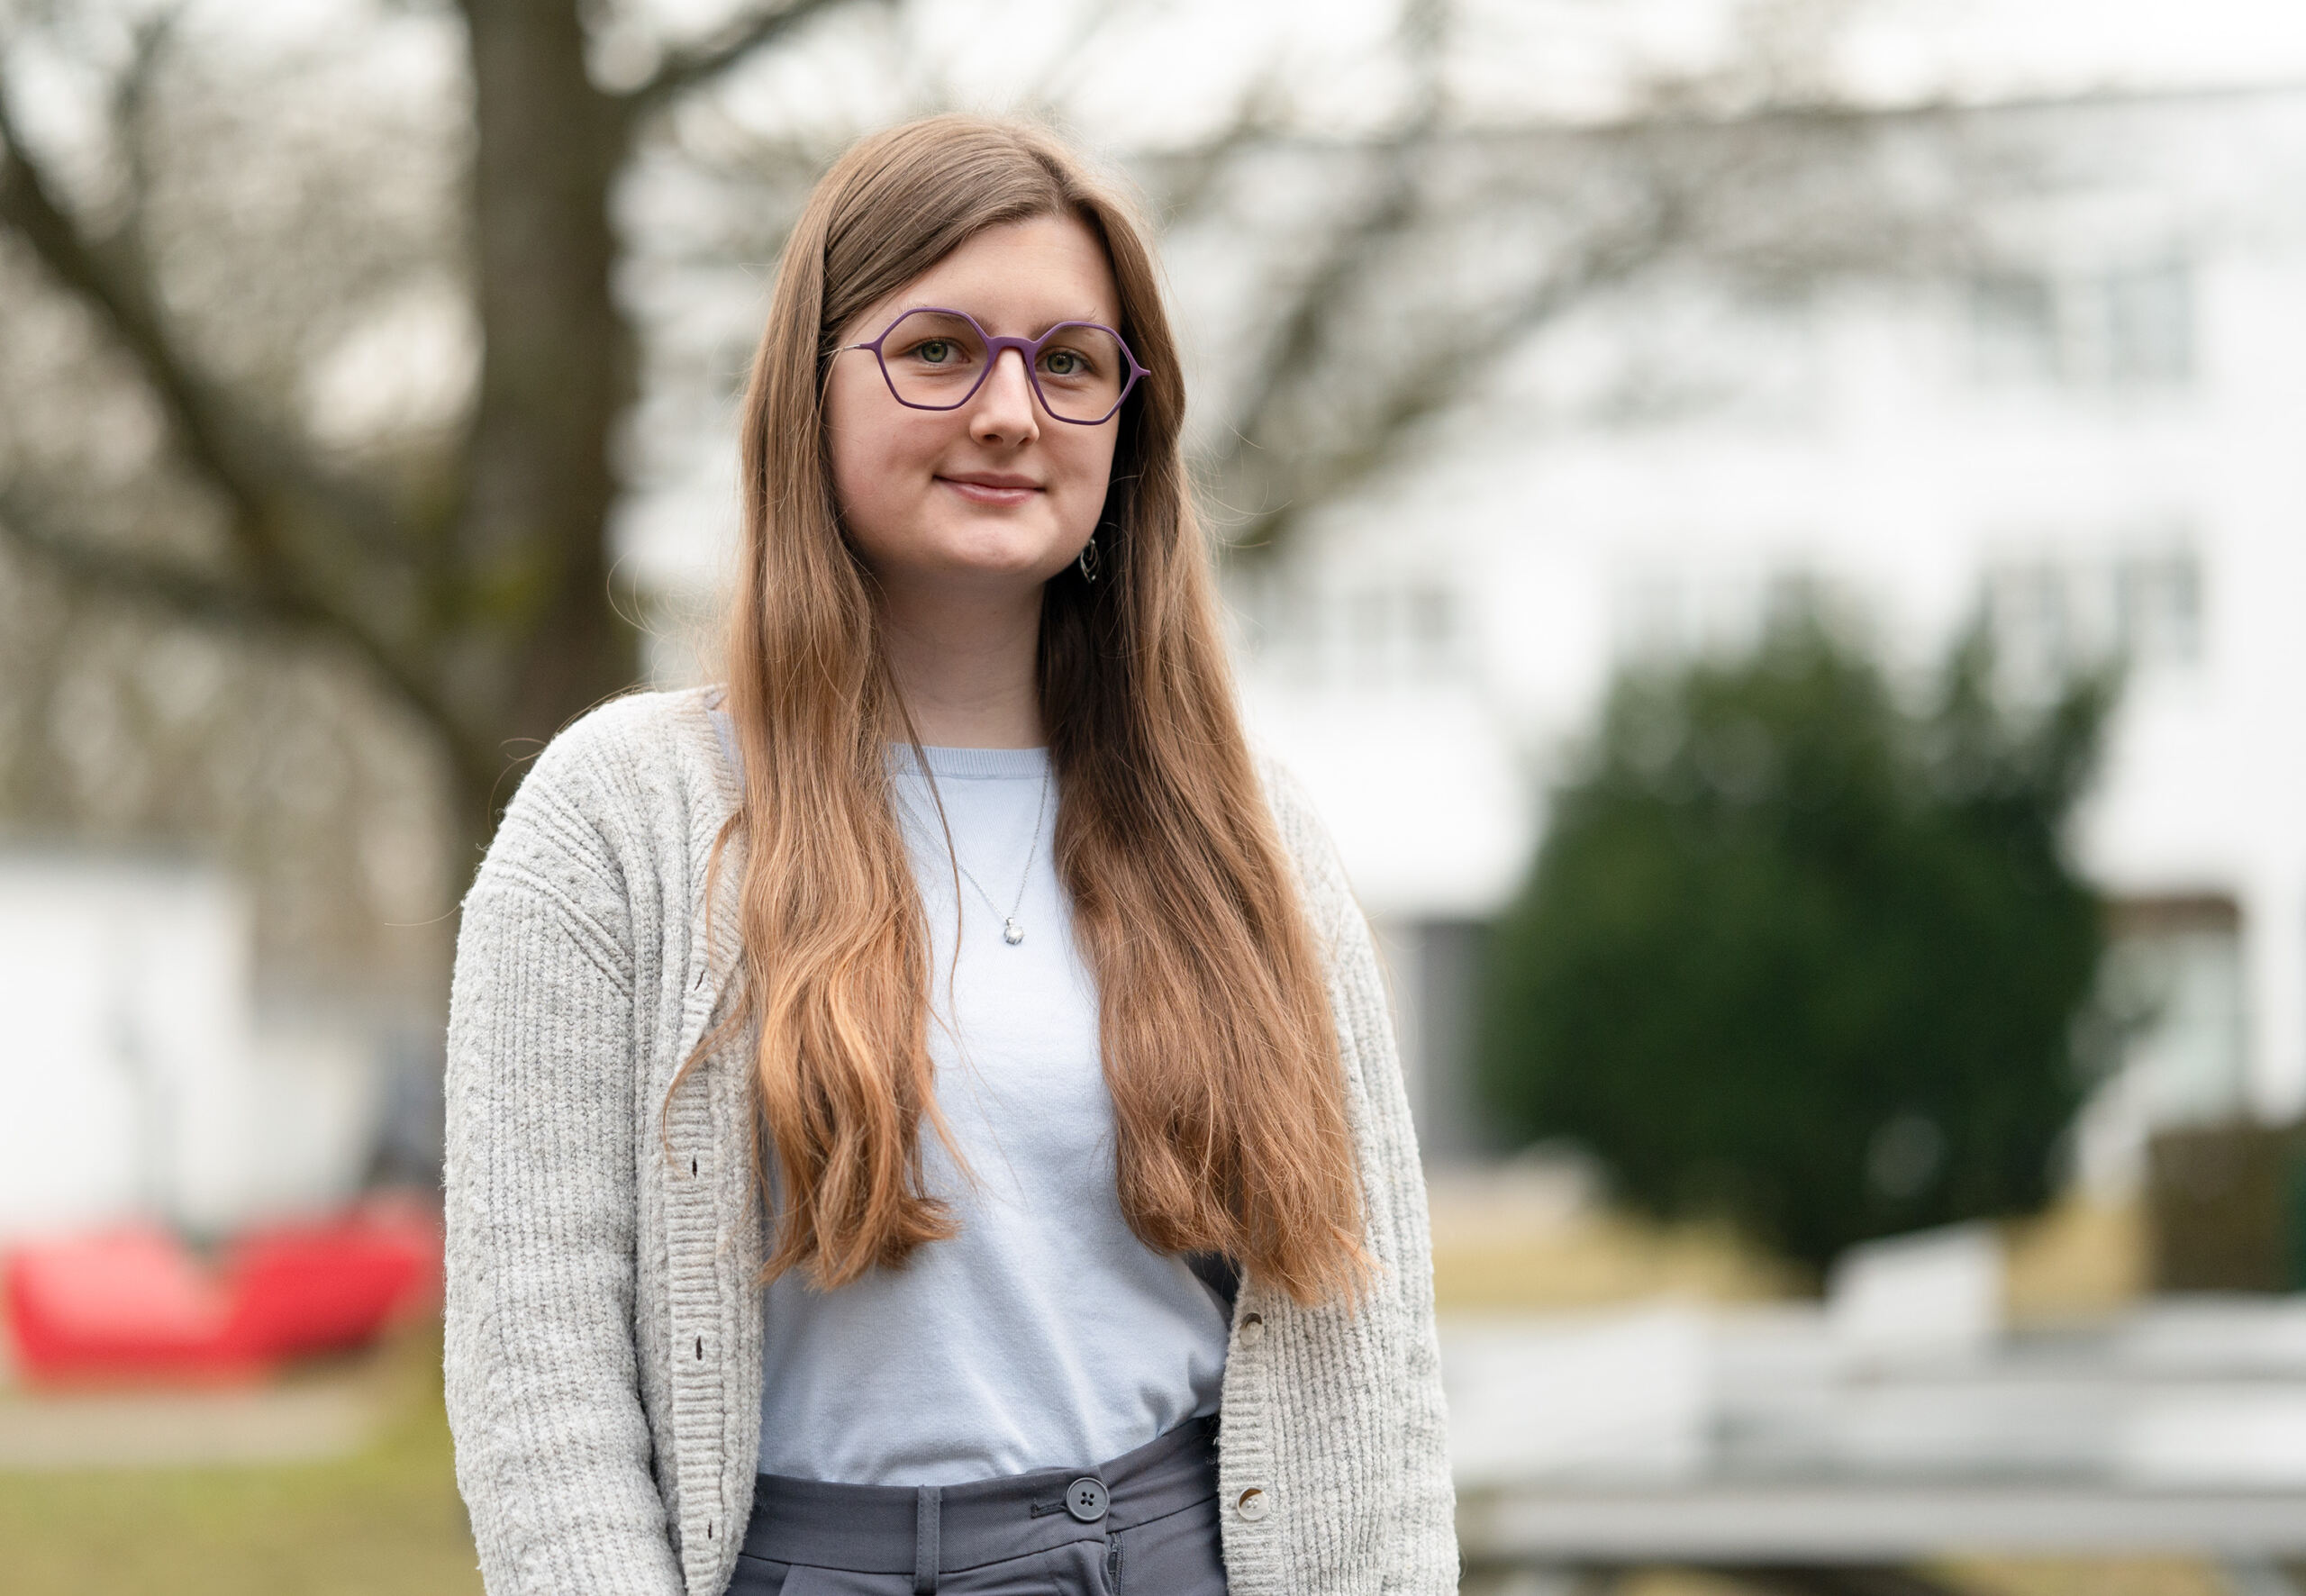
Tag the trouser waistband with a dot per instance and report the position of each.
(928, 1530)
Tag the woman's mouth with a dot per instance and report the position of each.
(998, 491)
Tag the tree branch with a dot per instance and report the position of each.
(241, 460)
(1393, 209)
(206, 599)
(1280, 459)
(189, 594)
(131, 114)
(1292, 357)
(223, 442)
(28, 203)
(683, 70)
(1440, 378)
(1628, 194)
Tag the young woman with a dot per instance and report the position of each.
(924, 1117)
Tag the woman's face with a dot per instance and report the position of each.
(995, 494)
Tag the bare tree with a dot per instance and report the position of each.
(470, 581)
(1447, 251)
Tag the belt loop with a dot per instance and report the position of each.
(926, 1502)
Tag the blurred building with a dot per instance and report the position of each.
(140, 1075)
(2087, 433)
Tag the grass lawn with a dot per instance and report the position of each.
(385, 1521)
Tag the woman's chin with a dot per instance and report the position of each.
(978, 559)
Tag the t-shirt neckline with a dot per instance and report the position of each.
(975, 763)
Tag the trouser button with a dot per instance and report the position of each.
(1085, 1499)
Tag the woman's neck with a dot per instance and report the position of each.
(968, 671)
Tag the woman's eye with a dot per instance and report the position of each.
(936, 351)
(1064, 363)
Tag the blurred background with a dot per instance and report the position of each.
(1764, 524)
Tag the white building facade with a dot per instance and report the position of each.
(2093, 439)
(141, 1077)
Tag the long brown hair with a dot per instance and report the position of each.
(1217, 1045)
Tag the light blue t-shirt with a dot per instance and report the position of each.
(1044, 1333)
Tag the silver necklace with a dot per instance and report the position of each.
(1012, 930)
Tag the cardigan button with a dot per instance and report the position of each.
(1252, 1505)
(1251, 1331)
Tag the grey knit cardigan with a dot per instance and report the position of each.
(604, 1360)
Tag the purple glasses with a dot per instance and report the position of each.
(937, 360)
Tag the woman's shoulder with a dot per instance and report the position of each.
(629, 748)
(639, 773)
(633, 731)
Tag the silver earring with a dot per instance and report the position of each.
(1091, 562)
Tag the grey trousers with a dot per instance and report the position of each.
(1143, 1524)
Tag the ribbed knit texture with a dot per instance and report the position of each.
(603, 1328)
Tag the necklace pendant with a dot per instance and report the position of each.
(1011, 933)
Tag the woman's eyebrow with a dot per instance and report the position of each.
(1091, 317)
(1044, 329)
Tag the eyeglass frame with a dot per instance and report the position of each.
(1028, 350)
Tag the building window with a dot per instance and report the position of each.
(2146, 331)
(2121, 327)
(2014, 329)
(2167, 1030)
(1370, 634)
(2158, 609)
(2052, 616)
(1664, 617)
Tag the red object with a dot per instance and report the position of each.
(133, 1303)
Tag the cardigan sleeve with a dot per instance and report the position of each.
(553, 1449)
(1422, 1551)
(1420, 1545)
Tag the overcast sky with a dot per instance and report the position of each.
(1574, 54)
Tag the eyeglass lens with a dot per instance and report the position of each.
(935, 359)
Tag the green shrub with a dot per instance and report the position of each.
(1798, 956)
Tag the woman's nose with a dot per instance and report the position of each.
(1004, 410)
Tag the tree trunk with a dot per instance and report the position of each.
(557, 371)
